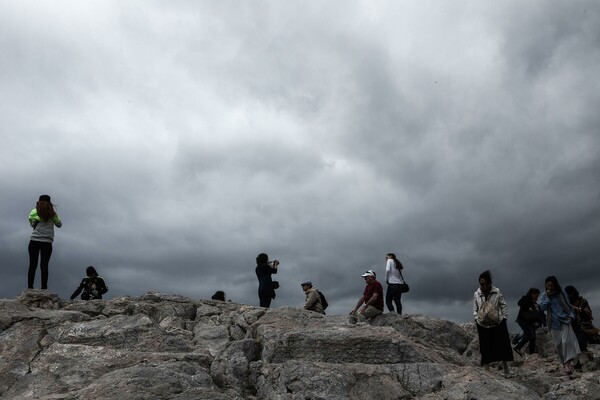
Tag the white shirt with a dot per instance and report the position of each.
(392, 274)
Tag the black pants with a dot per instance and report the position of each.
(394, 295)
(581, 336)
(528, 336)
(35, 249)
(265, 301)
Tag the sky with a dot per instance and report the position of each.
(180, 139)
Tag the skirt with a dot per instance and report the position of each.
(566, 343)
(494, 343)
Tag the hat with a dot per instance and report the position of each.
(309, 283)
(369, 272)
(45, 197)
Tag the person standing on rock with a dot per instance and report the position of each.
(580, 312)
(264, 270)
(583, 312)
(371, 302)
(560, 316)
(43, 218)
(491, 312)
(529, 319)
(394, 280)
(313, 298)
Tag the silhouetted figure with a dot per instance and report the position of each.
(91, 287)
(43, 218)
(584, 315)
(264, 270)
(530, 317)
(219, 295)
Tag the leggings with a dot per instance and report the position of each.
(35, 248)
(394, 295)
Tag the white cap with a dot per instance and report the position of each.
(369, 272)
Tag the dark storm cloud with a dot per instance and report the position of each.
(181, 141)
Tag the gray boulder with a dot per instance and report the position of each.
(161, 346)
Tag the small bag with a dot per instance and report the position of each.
(403, 286)
(275, 285)
(487, 315)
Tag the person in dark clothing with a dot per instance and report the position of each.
(491, 312)
(583, 312)
(529, 319)
(91, 287)
(264, 270)
(219, 295)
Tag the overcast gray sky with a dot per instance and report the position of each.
(179, 139)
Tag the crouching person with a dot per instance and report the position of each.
(313, 299)
(371, 302)
(91, 287)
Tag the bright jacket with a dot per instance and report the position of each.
(495, 297)
(43, 231)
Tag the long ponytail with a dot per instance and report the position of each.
(397, 262)
(45, 210)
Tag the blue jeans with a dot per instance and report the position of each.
(393, 295)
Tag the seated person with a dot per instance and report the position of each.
(219, 295)
(91, 287)
(313, 298)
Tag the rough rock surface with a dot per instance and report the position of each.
(170, 347)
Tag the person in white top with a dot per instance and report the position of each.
(393, 278)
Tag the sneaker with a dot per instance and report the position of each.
(518, 351)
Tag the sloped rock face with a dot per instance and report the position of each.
(170, 347)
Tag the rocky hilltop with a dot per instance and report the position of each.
(161, 346)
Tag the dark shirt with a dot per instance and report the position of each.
(370, 289)
(92, 288)
(530, 312)
(265, 283)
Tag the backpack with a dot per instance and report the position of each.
(487, 315)
(323, 300)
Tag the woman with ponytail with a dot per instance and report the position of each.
(394, 280)
(42, 219)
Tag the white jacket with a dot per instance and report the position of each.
(495, 297)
